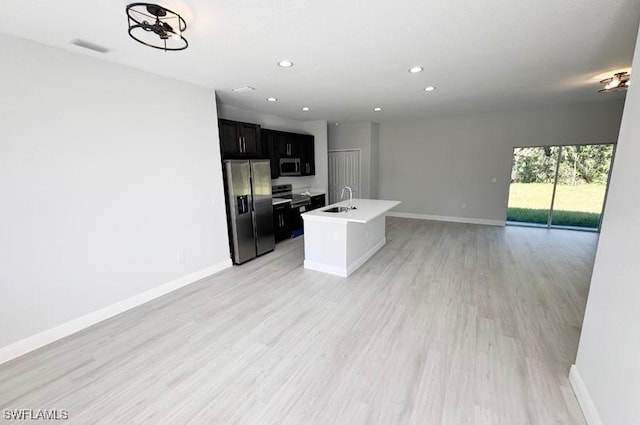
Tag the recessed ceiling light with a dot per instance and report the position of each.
(430, 88)
(377, 109)
(306, 109)
(272, 99)
(284, 63)
(416, 69)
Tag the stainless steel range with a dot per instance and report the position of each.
(285, 191)
(299, 204)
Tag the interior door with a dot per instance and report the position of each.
(344, 170)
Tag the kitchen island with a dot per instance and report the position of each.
(340, 242)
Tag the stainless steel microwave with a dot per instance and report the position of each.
(290, 167)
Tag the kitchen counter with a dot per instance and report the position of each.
(278, 201)
(366, 210)
(307, 192)
(339, 243)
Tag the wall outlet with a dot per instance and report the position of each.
(464, 205)
(493, 180)
(180, 256)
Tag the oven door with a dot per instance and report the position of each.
(290, 167)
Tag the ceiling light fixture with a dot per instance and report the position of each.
(285, 63)
(243, 89)
(619, 82)
(416, 69)
(429, 88)
(377, 109)
(156, 26)
(306, 109)
(272, 99)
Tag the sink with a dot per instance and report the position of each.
(338, 209)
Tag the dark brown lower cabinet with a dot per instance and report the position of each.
(281, 219)
(317, 201)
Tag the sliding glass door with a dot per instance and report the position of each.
(531, 190)
(559, 186)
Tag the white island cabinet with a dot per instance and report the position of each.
(339, 243)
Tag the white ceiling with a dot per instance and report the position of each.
(351, 56)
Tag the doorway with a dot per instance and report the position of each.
(344, 170)
(560, 186)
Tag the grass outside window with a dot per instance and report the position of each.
(575, 205)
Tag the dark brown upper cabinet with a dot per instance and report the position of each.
(269, 150)
(307, 154)
(239, 139)
(288, 145)
(283, 144)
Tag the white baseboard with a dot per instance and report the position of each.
(350, 268)
(451, 219)
(41, 339)
(584, 399)
(325, 268)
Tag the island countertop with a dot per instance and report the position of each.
(366, 210)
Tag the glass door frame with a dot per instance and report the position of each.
(550, 224)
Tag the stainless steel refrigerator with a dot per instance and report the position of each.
(249, 208)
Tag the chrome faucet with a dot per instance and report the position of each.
(350, 196)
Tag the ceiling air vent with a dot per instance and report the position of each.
(243, 89)
(89, 45)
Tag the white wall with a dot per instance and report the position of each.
(608, 360)
(106, 173)
(270, 121)
(320, 182)
(444, 166)
(356, 135)
(318, 129)
(375, 161)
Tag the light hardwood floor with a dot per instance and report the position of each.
(447, 324)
